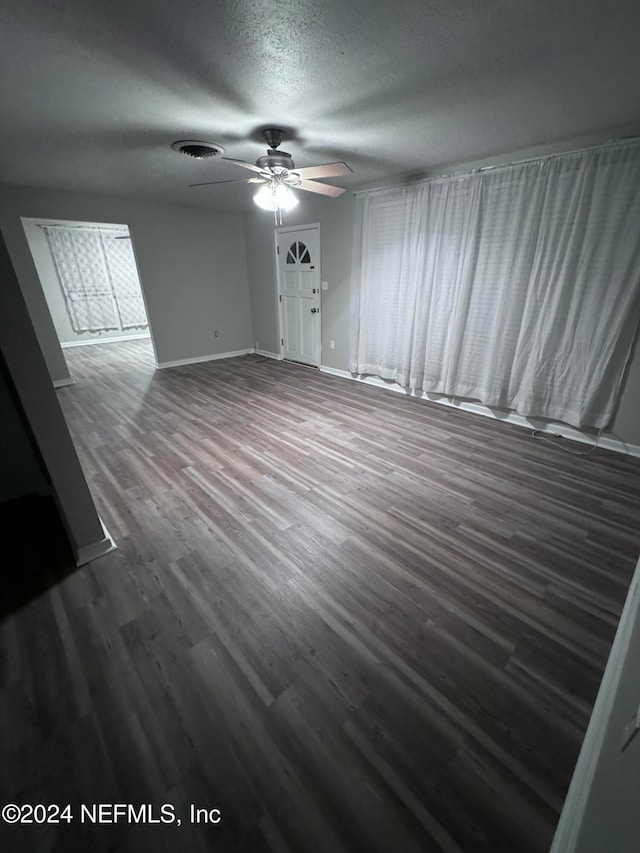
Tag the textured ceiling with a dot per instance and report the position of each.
(93, 92)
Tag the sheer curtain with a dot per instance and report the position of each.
(123, 273)
(98, 278)
(517, 286)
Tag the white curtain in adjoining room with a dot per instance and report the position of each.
(84, 280)
(98, 277)
(517, 286)
(125, 281)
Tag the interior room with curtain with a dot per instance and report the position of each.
(516, 286)
(90, 280)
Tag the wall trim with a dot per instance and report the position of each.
(606, 441)
(572, 815)
(92, 341)
(343, 374)
(200, 358)
(62, 383)
(90, 552)
(266, 354)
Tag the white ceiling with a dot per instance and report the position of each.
(93, 92)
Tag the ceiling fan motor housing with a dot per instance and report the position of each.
(275, 161)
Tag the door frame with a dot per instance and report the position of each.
(285, 229)
(29, 221)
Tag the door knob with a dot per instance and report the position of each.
(314, 310)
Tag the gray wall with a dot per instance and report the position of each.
(336, 218)
(192, 265)
(601, 809)
(30, 378)
(20, 472)
(611, 816)
(337, 229)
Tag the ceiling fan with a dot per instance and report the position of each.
(276, 171)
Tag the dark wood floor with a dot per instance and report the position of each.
(351, 621)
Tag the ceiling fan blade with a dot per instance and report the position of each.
(323, 189)
(329, 170)
(236, 181)
(244, 164)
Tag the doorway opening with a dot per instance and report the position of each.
(89, 277)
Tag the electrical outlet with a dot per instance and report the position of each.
(332, 344)
(215, 333)
(325, 285)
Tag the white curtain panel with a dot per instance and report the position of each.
(98, 278)
(518, 286)
(125, 281)
(84, 279)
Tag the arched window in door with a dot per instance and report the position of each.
(298, 254)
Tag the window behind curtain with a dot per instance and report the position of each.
(518, 287)
(98, 277)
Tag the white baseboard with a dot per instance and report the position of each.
(266, 354)
(573, 812)
(92, 341)
(606, 441)
(62, 383)
(94, 550)
(200, 358)
(343, 374)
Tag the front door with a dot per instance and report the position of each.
(298, 254)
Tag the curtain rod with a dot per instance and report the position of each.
(82, 227)
(611, 144)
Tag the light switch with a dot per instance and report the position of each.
(325, 285)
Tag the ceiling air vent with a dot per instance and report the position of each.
(199, 150)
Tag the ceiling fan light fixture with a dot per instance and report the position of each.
(285, 199)
(265, 198)
(275, 197)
